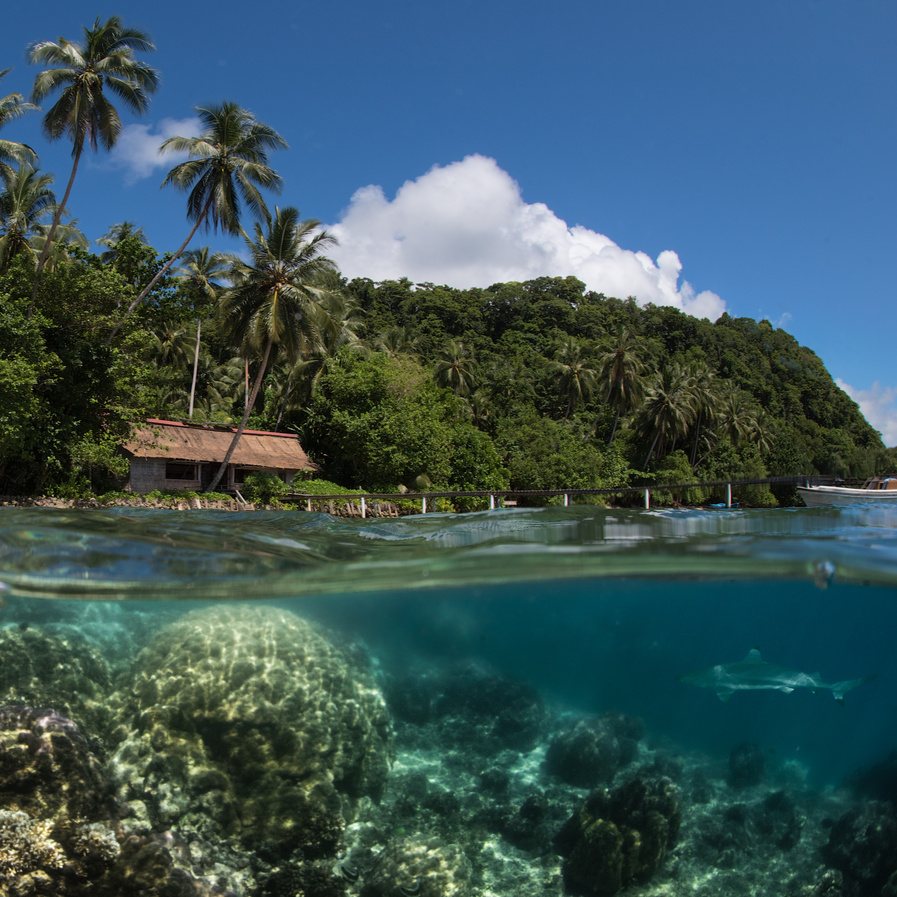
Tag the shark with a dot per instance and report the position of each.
(754, 673)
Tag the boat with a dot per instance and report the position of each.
(874, 490)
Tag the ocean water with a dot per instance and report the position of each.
(521, 660)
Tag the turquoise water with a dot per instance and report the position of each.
(573, 615)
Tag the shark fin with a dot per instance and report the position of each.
(753, 656)
(724, 694)
(839, 689)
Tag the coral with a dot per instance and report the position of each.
(39, 669)
(419, 866)
(747, 765)
(863, 845)
(511, 714)
(246, 721)
(95, 841)
(26, 845)
(619, 837)
(47, 769)
(591, 750)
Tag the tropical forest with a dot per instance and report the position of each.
(390, 386)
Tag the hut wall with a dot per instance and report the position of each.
(147, 474)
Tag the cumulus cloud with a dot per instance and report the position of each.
(137, 149)
(879, 407)
(466, 225)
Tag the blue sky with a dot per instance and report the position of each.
(712, 155)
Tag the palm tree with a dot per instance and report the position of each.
(621, 369)
(737, 414)
(703, 385)
(396, 340)
(115, 236)
(12, 106)
(329, 326)
(669, 408)
(577, 379)
(456, 368)
(81, 72)
(271, 295)
(25, 205)
(198, 272)
(228, 163)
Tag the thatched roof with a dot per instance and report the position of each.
(175, 441)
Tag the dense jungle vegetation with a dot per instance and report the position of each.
(536, 385)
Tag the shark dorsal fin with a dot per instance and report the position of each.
(753, 656)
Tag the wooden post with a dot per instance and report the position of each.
(647, 499)
(566, 500)
(728, 495)
(364, 509)
(423, 505)
(491, 502)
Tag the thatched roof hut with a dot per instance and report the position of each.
(167, 454)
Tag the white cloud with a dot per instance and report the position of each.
(466, 225)
(137, 148)
(879, 407)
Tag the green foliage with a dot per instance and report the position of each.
(265, 487)
(383, 421)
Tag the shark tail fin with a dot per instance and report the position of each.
(839, 689)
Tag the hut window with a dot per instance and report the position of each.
(240, 474)
(178, 470)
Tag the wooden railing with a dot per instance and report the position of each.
(506, 497)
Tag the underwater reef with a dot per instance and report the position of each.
(243, 751)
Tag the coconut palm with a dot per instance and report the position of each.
(622, 371)
(456, 368)
(578, 380)
(669, 408)
(12, 106)
(396, 340)
(115, 236)
(81, 73)
(705, 394)
(271, 296)
(737, 414)
(26, 206)
(228, 163)
(198, 272)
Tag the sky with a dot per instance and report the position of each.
(715, 156)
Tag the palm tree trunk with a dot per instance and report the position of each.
(45, 252)
(651, 452)
(161, 273)
(613, 432)
(195, 367)
(233, 446)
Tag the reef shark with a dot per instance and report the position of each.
(755, 673)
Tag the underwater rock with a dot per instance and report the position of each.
(47, 769)
(737, 830)
(863, 845)
(878, 781)
(587, 753)
(43, 670)
(619, 837)
(247, 722)
(747, 765)
(419, 866)
(890, 888)
(485, 711)
(411, 698)
(305, 879)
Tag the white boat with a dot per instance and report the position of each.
(874, 490)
